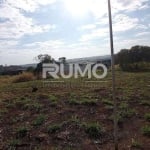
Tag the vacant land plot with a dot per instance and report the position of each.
(76, 118)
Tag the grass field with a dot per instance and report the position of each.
(76, 118)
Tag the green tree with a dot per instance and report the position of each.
(42, 58)
(135, 59)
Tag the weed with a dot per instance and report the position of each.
(53, 128)
(94, 130)
(147, 116)
(75, 119)
(74, 102)
(3, 111)
(39, 120)
(88, 102)
(107, 102)
(119, 118)
(83, 102)
(53, 99)
(14, 142)
(22, 131)
(127, 113)
(20, 102)
(145, 103)
(136, 144)
(146, 130)
(123, 105)
(34, 106)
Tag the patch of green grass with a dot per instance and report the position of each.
(146, 130)
(39, 120)
(94, 130)
(136, 144)
(54, 128)
(22, 132)
(147, 116)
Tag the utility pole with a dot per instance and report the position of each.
(113, 77)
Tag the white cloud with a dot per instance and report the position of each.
(95, 34)
(123, 23)
(129, 5)
(16, 25)
(28, 5)
(99, 8)
(127, 43)
(7, 44)
(46, 45)
(143, 34)
(87, 27)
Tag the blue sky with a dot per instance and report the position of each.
(70, 28)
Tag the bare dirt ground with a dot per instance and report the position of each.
(77, 118)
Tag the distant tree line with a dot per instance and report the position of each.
(135, 59)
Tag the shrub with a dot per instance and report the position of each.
(24, 77)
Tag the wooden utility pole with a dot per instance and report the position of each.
(113, 77)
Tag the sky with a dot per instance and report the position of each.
(69, 28)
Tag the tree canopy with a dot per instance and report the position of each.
(134, 59)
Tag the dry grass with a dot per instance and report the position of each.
(24, 77)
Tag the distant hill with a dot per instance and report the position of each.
(89, 59)
(28, 65)
(78, 60)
